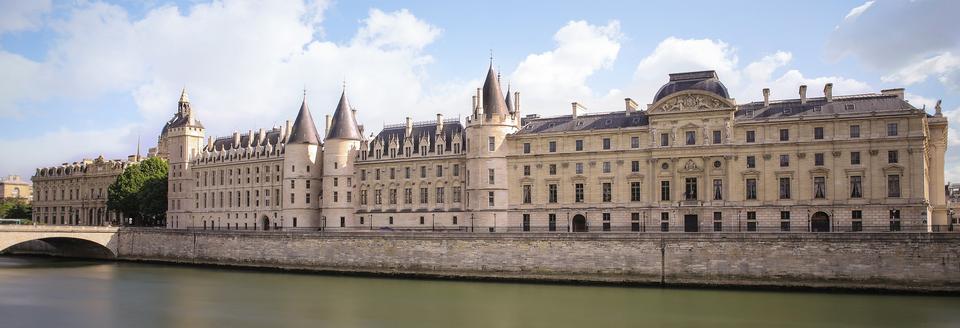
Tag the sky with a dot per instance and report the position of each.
(79, 79)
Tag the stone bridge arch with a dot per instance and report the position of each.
(88, 242)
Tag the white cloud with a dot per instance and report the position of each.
(22, 15)
(941, 65)
(858, 10)
(552, 79)
(398, 29)
(52, 148)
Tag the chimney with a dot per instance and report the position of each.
(236, 139)
(249, 137)
(409, 128)
(479, 102)
(439, 123)
(577, 109)
(329, 121)
(894, 92)
(262, 138)
(766, 97)
(803, 94)
(210, 143)
(828, 92)
(286, 135)
(474, 108)
(516, 103)
(631, 106)
(354, 112)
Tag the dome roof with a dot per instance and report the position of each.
(703, 80)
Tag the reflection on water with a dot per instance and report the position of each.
(48, 292)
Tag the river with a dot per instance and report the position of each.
(51, 292)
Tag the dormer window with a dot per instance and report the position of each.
(407, 151)
(849, 107)
(423, 150)
(786, 111)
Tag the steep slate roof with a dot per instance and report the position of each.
(226, 143)
(399, 131)
(509, 100)
(493, 102)
(344, 124)
(304, 131)
(819, 107)
(703, 80)
(612, 120)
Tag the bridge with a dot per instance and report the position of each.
(71, 241)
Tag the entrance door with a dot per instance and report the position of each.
(579, 223)
(691, 223)
(265, 223)
(820, 222)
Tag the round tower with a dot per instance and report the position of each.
(487, 128)
(343, 138)
(301, 177)
(182, 140)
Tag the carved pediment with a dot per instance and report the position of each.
(692, 166)
(690, 101)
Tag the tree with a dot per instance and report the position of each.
(140, 192)
(15, 209)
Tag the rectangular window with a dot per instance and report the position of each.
(751, 136)
(579, 168)
(579, 145)
(691, 137)
(607, 192)
(893, 156)
(854, 158)
(635, 166)
(492, 143)
(393, 173)
(553, 169)
(393, 196)
(690, 193)
(423, 195)
(456, 195)
(751, 221)
(552, 193)
(893, 185)
(717, 136)
(664, 139)
(606, 143)
(526, 222)
(490, 199)
(307, 198)
(717, 221)
(408, 195)
(784, 160)
(440, 196)
(634, 221)
(606, 221)
(857, 220)
(423, 171)
(664, 190)
(491, 175)
(635, 191)
(784, 134)
(439, 171)
(526, 170)
(578, 193)
(553, 146)
(819, 187)
(751, 162)
(527, 194)
(818, 159)
(818, 133)
(552, 222)
(856, 187)
(784, 221)
(784, 188)
(664, 222)
(717, 189)
(894, 220)
(526, 147)
(751, 189)
(606, 167)
(456, 170)
(634, 142)
(855, 131)
(892, 129)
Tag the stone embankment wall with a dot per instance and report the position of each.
(894, 261)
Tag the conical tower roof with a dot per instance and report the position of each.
(509, 100)
(493, 102)
(304, 131)
(344, 124)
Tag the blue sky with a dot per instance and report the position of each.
(84, 78)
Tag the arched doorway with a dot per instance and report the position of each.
(579, 223)
(265, 223)
(820, 222)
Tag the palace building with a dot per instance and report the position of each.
(693, 159)
(76, 193)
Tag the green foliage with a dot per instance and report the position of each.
(141, 193)
(15, 209)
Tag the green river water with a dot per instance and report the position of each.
(49, 292)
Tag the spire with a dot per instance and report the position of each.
(304, 131)
(493, 102)
(509, 99)
(183, 96)
(344, 124)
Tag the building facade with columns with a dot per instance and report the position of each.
(76, 193)
(692, 159)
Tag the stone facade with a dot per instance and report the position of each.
(12, 187)
(76, 193)
(693, 160)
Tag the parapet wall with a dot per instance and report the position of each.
(890, 261)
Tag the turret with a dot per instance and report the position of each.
(301, 175)
(486, 157)
(339, 153)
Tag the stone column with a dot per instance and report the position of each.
(936, 152)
